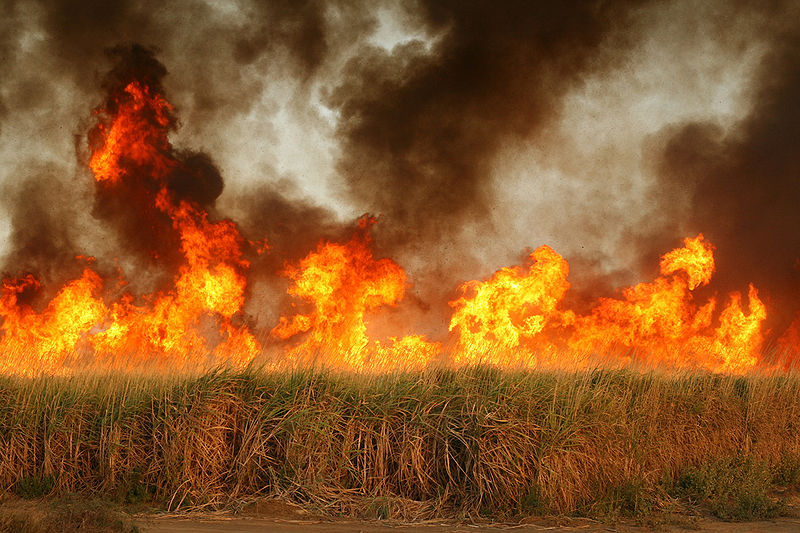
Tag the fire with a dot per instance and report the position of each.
(211, 283)
(129, 143)
(212, 280)
(661, 320)
(136, 134)
(515, 318)
(737, 341)
(412, 352)
(504, 316)
(660, 314)
(695, 260)
(50, 339)
(342, 283)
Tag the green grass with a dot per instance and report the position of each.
(440, 443)
(735, 488)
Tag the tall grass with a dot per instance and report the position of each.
(478, 441)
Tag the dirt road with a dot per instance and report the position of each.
(261, 525)
(281, 517)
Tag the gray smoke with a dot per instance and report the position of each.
(410, 131)
(744, 186)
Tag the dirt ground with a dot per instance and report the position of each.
(284, 518)
(262, 525)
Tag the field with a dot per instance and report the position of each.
(475, 443)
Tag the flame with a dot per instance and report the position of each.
(503, 317)
(737, 341)
(516, 317)
(513, 318)
(131, 142)
(662, 322)
(412, 352)
(46, 341)
(658, 315)
(695, 260)
(343, 282)
(212, 283)
(212, 280)
(136, 134)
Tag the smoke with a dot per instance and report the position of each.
(127, 205)
(297, 25)
(56, 80)
(417, 125)
(313, 120)
(41, 243)
(420, 129)
(744, 185)
(7, 36)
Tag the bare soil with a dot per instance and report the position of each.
(262, 525)
(279, 517)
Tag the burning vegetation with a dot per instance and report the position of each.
(161, 199)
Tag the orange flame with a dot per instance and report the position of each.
(504, 316)
(212, 283)
(514, 318)
(53, 335)
(130, 140)
(662, 322)
(343, 282)
(131, 137)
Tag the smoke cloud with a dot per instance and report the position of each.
(744, 186)
(420, 130)
(315, 112)
(40, 242)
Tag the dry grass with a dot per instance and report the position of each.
(65, 515)
(441, 443)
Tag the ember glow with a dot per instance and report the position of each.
(515, 318)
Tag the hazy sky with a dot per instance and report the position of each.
(475, 129)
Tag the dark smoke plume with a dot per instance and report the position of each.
(43, 238)
(745, 187)
(292, 226)
(79, 32)
(297, 25)
(420, 130)
(224, 61)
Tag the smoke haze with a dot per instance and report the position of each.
(608, 130)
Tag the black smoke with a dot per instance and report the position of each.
(420, 129)
(225, 61)
(128, 205)
(743, 186)
(43, 237)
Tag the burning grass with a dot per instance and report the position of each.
(159, 200)
(477, 441)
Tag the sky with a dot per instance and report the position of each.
(475, 131)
